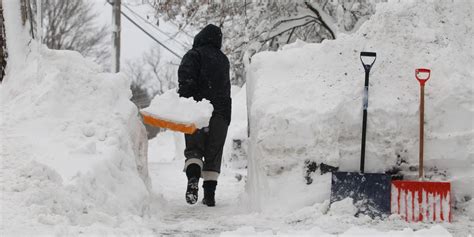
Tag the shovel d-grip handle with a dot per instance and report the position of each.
(422, 80)
(367, 54)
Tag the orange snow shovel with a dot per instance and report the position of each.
(154, 120)
(419, 200)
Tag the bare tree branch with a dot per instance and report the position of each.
(288, 29)
(323, 23)
(71, 25)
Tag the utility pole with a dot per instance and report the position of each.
(3, 45)
(116, 35)
(39, 23)
(23, 11)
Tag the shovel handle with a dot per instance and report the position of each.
(368, 54)
(365, 103)
(422, 80)
(422, 135)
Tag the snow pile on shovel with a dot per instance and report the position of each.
(306, 102)
(73, 147)
(171, 107)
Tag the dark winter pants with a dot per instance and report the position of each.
(207, 143)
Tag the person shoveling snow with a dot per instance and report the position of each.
(203, 75)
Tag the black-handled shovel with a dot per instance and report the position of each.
(370, 192)
(367, 68)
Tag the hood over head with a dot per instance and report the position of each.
(210, 35)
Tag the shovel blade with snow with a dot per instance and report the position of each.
(369, 192)
(156, 121)
(421, 200)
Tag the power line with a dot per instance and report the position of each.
(144, 31)
(170, 21)
(149, 35)
(154, 27)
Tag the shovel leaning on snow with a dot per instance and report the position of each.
(369, 191)
(421, 200)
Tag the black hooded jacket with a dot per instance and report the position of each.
(204, 72)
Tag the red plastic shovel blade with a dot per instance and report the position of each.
(421, 201)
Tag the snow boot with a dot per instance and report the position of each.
(193, 172)
(209, 193)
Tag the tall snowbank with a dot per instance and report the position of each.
(306, 102)
(73, 147)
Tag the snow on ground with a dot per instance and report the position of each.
(354, 231)
(230, 217)
(306, 103)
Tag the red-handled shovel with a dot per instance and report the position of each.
(421, 200)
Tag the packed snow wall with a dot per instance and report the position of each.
(74, 151)
(306, 103)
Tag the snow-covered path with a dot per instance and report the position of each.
(180, 217)
(176, 217)
(230, 216)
